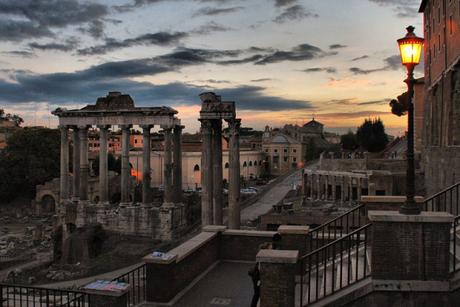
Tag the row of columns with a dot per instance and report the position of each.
(212, 177)
(80, 164)
(324, 187)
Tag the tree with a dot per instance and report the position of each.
(30, 158)
(371, 135)
(11, 117)
(311, 153)
(349, 141)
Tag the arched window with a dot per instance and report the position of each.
(250, 163)
(245, 164)
(227, 165)
(255, 163)
(196, 168)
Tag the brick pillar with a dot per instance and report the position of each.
(294, 237)
(277, 277)
(410, 248)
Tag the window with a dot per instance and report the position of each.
(255, 163)
(227, 165)
(250, 163)
(285, 150)
(294, 159)
(245, 164)
(285, 159)
(266, 150)
(276, 150)
(196, 168)
(294, 150)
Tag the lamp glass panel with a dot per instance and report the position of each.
(410, 52)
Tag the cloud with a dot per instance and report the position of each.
(69, 45)
(158, 39)
(209, 28)
(262, 80)
(211, 11)
(294, 13)
(299, 53)
(280, 3)
(95, 29)
(391, 63)
(329, 70)
(36, 18)
(375, 102)
(402, 8)
(360, 58)
(84, 87)
(337, 46)
(20, 53)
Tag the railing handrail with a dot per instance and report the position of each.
(41, 288)
(446, 190)
(351, 211)
(318, 250)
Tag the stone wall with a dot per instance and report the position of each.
(441, 167)
(243, 244)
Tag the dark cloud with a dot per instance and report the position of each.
(262, 80)
(375, 102)
(360, 58)
(294, 13)
(402, 8)
(337, 46)
(20, 53)
(299, 53)
(211, 11)
(69, 45)
(329, 70)
(13, 30)
(209, 28)
(94, 29)
(81, 87)
(36, 18)
(281, 3)
(391, 63)
(158, 39)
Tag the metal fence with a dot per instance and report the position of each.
(24, 296)
(336, 228)
(334, 266)
(136, 279)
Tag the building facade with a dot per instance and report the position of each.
(441, 136)
(282, 152)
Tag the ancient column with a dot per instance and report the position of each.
(318, 186)
(125, 168)
(146, 173)
(217, 172)
(342, 189)
(206, 173)
(312, 178)
(358, 189)
(234, 217)
(350, 190)
(177, 166)
(167, 169)
(76, 165)
(326, 187)
(334, 191)
(103, 165)
(64, 180)
(84, 164)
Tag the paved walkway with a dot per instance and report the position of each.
(228, 284)
(271, 197)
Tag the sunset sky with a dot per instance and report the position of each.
(282, 61)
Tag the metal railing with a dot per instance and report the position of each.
(25, 296)
(334, 266)
(137, 282)
(336, 228)
(448, 200)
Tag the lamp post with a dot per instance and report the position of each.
(410, 48)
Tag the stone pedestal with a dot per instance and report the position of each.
(277, 277)
(101, 298)
(410, 247)
(294, 237)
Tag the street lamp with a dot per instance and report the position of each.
(410, 48)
